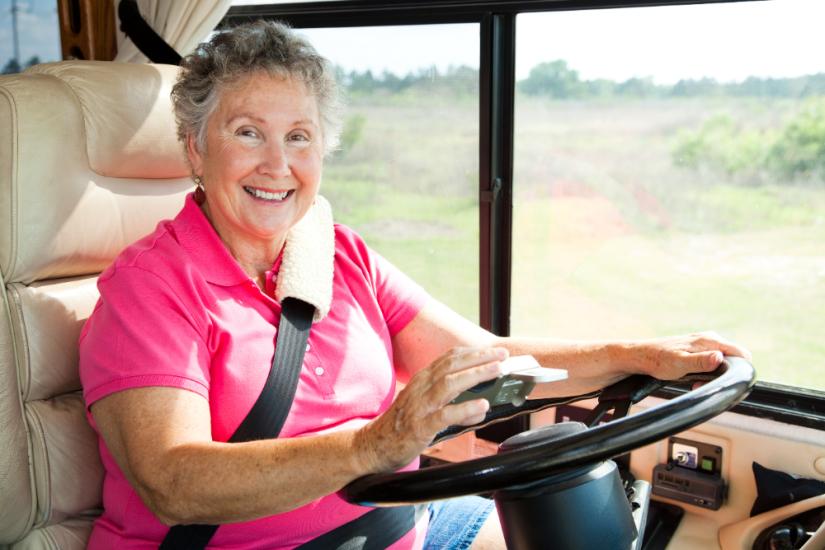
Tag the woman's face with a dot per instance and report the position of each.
(261, 167)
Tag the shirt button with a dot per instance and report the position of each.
(309, 347)
(319, 370)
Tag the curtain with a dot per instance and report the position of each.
(183, 24)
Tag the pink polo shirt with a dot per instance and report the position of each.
(177, 310)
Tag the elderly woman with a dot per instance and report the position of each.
(180, 344)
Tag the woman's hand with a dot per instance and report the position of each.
(673, 357)
(423, 408)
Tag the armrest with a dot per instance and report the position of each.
(742, 534)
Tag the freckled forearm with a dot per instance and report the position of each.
(224, 482)
(590, 365)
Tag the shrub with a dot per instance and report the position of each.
(799, 152)
(351, 133)
(721, 145)
(796, 152)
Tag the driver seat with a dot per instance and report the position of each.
(89, 162)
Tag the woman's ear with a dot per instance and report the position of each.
(194, 154)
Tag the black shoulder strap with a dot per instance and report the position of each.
(267, 416)
(376, 530)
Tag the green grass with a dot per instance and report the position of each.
(611, 239)
(432, 238)
(735, 208)
(749, 286)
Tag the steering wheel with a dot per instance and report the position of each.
(725, 387)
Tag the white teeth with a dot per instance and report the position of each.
(266, 195)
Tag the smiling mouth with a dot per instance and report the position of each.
(267, 195)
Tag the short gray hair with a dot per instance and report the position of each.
(234, 53)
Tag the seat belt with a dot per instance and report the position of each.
(375, 530)
(266, 417)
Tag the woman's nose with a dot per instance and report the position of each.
(276, 162)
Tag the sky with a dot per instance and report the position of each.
(728, 42)
(37, 27)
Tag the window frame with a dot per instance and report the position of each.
(497, 84)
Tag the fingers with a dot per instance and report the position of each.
(706, 361)
(712, 341)
(459, 370)
(446, 388)
(461, 358)
(456, 371)
(422, 408)
(678, 363)
(671, 358)
(463, 414)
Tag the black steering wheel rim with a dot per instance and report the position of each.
(733, 381)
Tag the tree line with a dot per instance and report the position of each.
(13, 66)
(556, 80)
(456, 79)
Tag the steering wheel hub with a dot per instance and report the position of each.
(589, 509)
(562, 507)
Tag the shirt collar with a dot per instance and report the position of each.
(197, 236)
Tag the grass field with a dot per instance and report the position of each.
(611, 239)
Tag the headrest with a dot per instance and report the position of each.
(91, 163)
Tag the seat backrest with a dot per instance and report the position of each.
(89, 162)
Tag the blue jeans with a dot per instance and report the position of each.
(455, 523)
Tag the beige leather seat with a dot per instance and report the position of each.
(88, 163)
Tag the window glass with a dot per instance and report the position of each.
(406, 174)
(29, 33)
(670, 177)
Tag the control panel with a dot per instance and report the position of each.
(692, 474)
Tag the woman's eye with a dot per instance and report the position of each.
(299, 137)
(247, 132)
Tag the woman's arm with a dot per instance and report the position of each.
(590, 365)
(161, 440)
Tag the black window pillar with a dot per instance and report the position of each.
(497, 81)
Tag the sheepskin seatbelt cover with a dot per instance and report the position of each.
(309, 254)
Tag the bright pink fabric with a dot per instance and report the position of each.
(177, 310)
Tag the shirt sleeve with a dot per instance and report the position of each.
(399, 297)
(141, 334)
